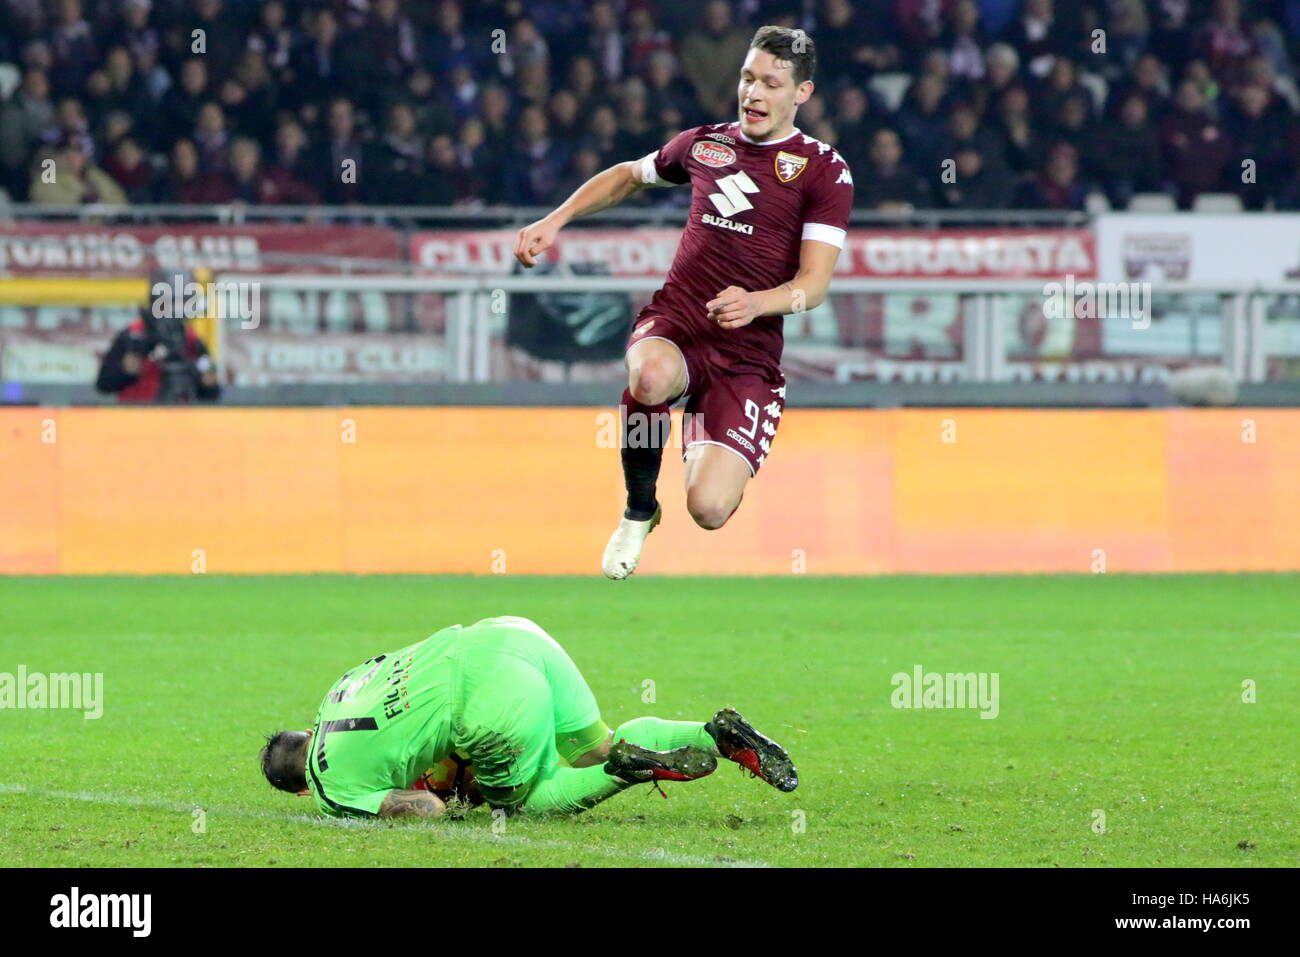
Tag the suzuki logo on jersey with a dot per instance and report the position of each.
(713, 154)
(788, 165)
(732, 198)
(710, 220)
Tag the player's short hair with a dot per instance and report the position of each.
(279, 764)
(786, 43)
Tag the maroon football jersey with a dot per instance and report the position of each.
(752, 204)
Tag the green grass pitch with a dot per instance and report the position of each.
(1118, 694)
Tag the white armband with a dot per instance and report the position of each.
(646, 173)
(831, 235)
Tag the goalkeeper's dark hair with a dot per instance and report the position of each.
(278, 761)
(791, 45)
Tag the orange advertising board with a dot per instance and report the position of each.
(526, 491)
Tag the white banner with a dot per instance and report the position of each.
(1199, 247)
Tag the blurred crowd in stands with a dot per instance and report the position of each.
(947, 104)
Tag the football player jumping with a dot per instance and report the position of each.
(768, 217)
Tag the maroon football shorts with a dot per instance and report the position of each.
(738, 410)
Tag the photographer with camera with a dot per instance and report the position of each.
(158, 358)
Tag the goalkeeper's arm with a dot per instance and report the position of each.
(605, 189)
(403, 803)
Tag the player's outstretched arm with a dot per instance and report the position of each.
(734, 307)
(401, 803)
(605, 189)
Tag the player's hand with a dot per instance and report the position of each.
(534, 240)
(733, 308)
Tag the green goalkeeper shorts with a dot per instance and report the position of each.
(514, 693)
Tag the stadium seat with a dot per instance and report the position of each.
(1286, 88)
(1151, 203)
(1217, 203)
(891, 87)
(1097, 203)
(1098, 89)
(10, 78)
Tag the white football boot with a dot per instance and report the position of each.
(624, 549)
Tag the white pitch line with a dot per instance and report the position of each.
(444, 830)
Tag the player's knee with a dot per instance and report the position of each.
(709, 510)
(651, 381)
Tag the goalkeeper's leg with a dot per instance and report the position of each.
(727, 736)
(660, 734)
(561, 788)
(585, 784)
(590, 746)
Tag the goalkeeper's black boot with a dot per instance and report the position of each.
(633, 763)
(758, 754)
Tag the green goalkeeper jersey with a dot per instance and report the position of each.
(381, 726)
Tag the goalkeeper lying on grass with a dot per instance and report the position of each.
(504, 696)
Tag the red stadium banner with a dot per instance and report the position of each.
(972, 254)
(1010, 253)
(81, 249)
(623, 252)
